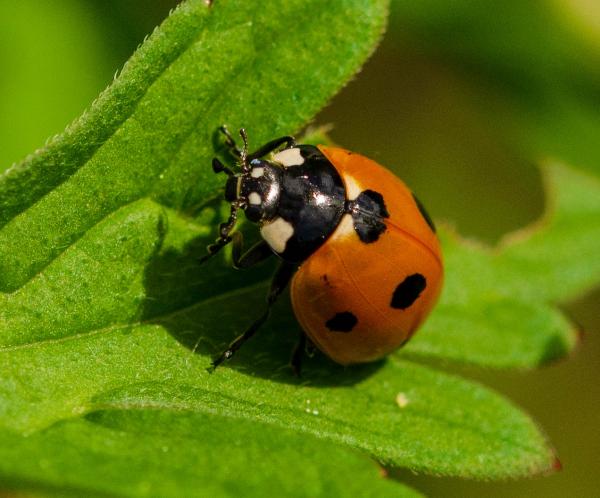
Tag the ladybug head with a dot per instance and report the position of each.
(258, 188)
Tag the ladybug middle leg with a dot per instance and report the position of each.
(304, 346)
(282, 277)
(271, 146)
(243, 155)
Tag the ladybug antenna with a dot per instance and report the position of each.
(244, 151)
(241, 154)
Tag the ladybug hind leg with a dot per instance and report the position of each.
(303, 347)
(282, 277)
(242, 154)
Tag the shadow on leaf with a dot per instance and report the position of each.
(206, 306)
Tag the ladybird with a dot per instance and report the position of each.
(359, 249)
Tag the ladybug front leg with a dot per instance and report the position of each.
(271, 146)
(243, 155)
(224, 229)
(257, 253)
(282, 277)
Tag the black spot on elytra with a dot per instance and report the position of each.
(408, 291)
(342, 322)
(424, 213)
(368, 211)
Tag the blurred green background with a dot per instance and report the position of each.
(466, 98)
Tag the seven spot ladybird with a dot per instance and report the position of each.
(358, 247)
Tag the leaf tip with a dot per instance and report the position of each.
(579, 333)
(562, 347)
(553, 464)
(556, 464)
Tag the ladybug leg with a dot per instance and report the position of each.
(303, 347)
(298, 354)
(271, 146)
(280, 280)
(257, 253)
(224, 229)
(243, 155)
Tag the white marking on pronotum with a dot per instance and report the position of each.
(277, 233)
(257, 172)
(353, 189)
(289, 157)
(254, 198)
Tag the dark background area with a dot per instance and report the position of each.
(463, 99)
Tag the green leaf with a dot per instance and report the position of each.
(64, 370)
(90, 214)
(158, 360)
(558, 257)
(401, 413)
(496, 307)
(107, 319)
(245, 64)
(180, 453)
(49, 74)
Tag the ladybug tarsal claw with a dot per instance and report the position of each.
(225, 355)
